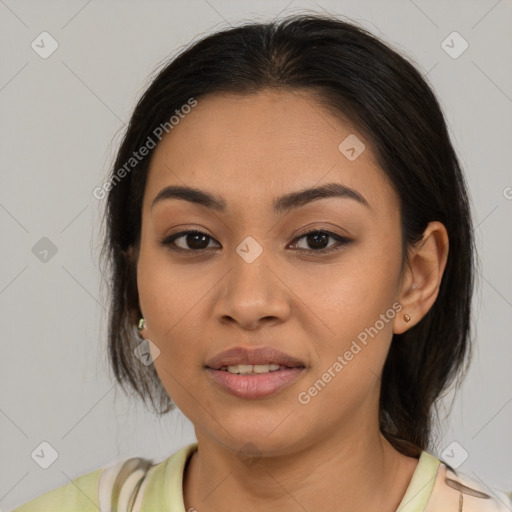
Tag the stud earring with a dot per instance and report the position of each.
(407, 318)
(141, 324)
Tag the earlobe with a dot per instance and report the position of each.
(422, 276)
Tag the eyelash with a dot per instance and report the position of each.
(341, 241)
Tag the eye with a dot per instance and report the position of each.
(318, 241)
(196, 241)
(193, 240)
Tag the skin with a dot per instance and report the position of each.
(250, 150)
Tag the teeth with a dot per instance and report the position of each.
(241, 368)
(245, 369)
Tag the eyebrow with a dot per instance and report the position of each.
(281, 205)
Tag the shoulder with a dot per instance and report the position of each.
(80, 495)
(459, 492)
(127, 481)
(92, 491)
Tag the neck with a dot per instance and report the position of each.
(353, 472)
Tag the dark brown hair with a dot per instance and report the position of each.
(355, 76)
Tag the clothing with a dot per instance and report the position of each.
(433, 488)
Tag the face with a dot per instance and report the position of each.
(316, 278)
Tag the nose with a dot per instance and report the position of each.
(253, 293)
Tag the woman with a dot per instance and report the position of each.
(291, 250)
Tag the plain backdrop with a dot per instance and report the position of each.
(61, 120)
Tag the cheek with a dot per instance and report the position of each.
(166, 292)
(165, 303)
(358, 304)
(173, 299)
(163, 300)
(354, 293)
(349, 363)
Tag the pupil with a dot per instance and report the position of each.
(193, 238)
(315, 238)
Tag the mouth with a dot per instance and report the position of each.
(260, 360)
(254, 373)
(254, 369)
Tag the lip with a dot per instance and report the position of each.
(255, 386)
(261, 355)
(258, 385)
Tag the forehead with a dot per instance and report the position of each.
(258, 145)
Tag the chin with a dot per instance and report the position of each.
(265, 435)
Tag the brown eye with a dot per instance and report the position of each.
(318, 241)
(196, 241)
(188, 241)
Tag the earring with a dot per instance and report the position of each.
(407, 318)
(141, 324)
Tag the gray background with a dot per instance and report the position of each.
(60, 117)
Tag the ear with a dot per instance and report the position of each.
(422, 276)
